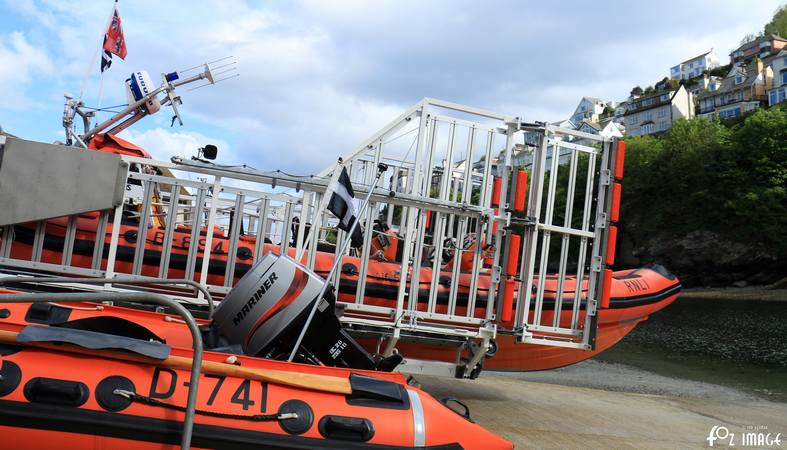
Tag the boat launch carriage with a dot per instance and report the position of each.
(488, 242)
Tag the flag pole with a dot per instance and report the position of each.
(101, 81)
(323, 204)
(381, 168)
(98, 51)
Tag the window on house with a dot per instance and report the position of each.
(739, 95)
(727, 113)
(782, 94)
(664, 97)
(772, 98)
(784, 75)
(662, 112)
(646, 129)
(738, 79)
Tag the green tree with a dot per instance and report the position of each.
(778, 24)
(636, 91)
(649, 90)
(705, 175)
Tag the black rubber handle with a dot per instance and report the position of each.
(346, 428)
(466, 414)
(56, 392)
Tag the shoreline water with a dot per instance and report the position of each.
(747, 293)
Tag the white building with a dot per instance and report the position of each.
(778, 93)
(693, 67)
(656, 112)
(589, 108)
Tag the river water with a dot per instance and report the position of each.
(736, 343)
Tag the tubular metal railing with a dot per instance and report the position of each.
(453, 234)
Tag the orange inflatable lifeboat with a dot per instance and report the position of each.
(635, 293)
(86, 375)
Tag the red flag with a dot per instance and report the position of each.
(114, 42)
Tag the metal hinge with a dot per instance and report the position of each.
(601, 223)
(495, 275)
(606, 177)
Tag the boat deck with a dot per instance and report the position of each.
(539, 414)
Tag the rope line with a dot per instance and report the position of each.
(134, 397)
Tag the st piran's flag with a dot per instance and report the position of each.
(342, 205)
(114, 41)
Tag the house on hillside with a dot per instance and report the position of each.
(606, 128)
(655, 113)
(705, 83)
(744, 89)
(693, 67)
(778, 93)
(762, 48)
(589, 108)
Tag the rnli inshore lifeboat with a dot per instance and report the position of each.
(635, 294)
(90, 375)
(53, 399)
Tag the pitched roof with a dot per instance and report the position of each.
(756, 42)
(656, 95)
(728, 83)
(593, 125)
(698, 56)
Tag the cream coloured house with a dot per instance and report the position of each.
(656, 112)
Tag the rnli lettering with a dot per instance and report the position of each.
(182, 240)
(165, 381)
(636, 285)
(267, 284)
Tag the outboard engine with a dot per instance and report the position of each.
(266, 311)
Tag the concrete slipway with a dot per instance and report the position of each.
(602, 405)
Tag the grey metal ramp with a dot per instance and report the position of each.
(41, 181)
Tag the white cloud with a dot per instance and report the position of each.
(164, 144)
(317, 77)
(20, 65)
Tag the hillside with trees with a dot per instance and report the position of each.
(709, 199)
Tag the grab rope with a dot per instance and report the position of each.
(80, 308)
(134, 397)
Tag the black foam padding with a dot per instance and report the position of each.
(93, 340)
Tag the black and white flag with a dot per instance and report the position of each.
(342, 205)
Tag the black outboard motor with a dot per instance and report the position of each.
(268, 308)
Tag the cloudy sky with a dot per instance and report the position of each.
(318, 76)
